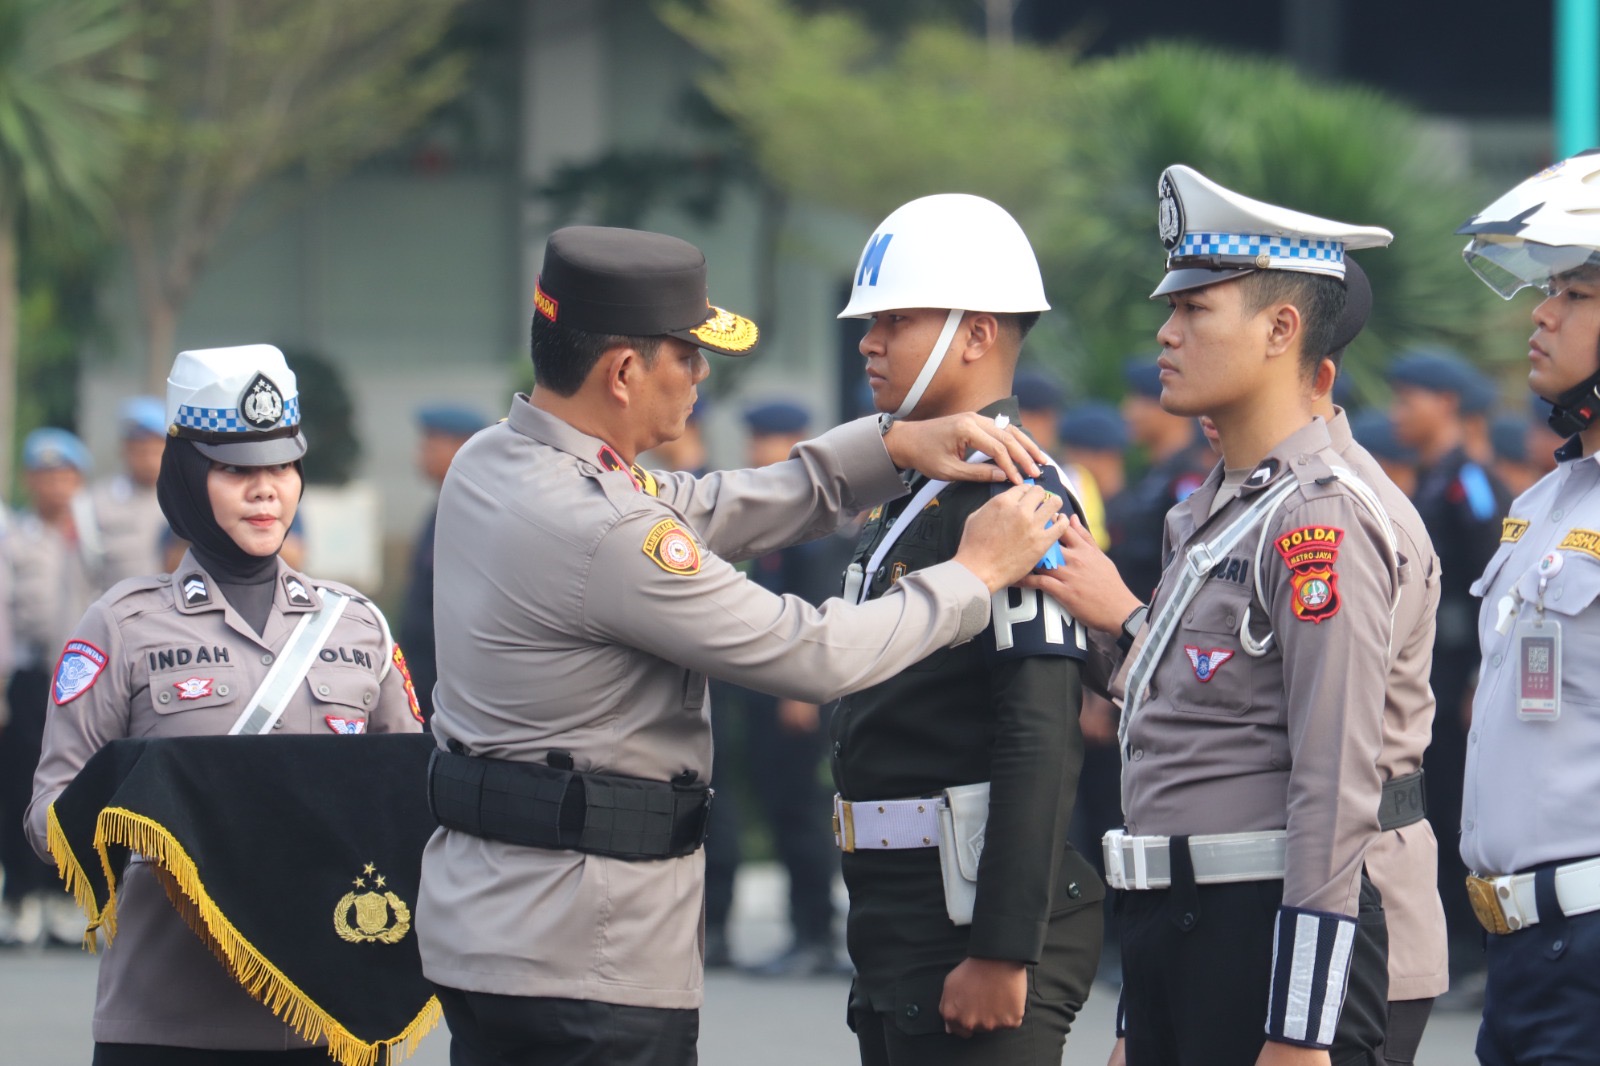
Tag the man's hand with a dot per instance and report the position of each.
(1088, 586)
(1119, 1053)
(1276, 1054)
(984, 994)
(796, 717)
(938, 448)
(1006, 537)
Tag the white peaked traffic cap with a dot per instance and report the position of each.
(238, 405)
(950, 251)
(1213, 234)
(1546, 226)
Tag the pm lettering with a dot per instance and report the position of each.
(872, 258)
(1007, 615)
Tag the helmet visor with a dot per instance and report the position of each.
(1508, 266)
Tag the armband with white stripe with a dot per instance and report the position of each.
(1311, 953)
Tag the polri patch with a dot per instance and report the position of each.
(411, 688)
(1311, 552)
(1586, 541)
(1512, 529)
(1206, 661)
(348, 727)
(193, 688)
(79, 667)
(670, 547)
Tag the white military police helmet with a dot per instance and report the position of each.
(952, 251)
(238, 405)
(1213, 234)
(1544, 227)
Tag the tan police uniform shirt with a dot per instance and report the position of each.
(1228, 742)
(575, 611)
(1404, 862)
(131, 524)
(179, 661)
(52, 585)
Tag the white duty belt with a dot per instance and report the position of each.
(1145, 862)
(263, 709)
(1507, 903)
(885, 825)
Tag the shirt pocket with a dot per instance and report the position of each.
(1570, 592)
(1480, 588)
(341, 700)
(1209, 668)
(203, 687)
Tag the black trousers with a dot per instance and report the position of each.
(1407, 1020)
(1542, 1003)
(161, 1055)
(493, 1030)
(1195, 993)
(1445, 763)
(20, 741)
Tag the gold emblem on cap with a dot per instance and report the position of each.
(373, 912)
(727, 330)
(1263, 261)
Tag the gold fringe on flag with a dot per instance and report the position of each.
(259, 977)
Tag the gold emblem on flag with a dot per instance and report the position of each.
(380, 917)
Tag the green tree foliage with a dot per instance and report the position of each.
(65, 96)
(248, 90)
(863, 121)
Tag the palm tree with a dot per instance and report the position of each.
(62, 99)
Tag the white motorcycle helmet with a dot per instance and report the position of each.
(952, 251)
(1543, 228)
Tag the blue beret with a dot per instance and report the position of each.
(50, 449)
(1095, 426)
(450, 419)
(1477, 392)
(1509, 436)
(1143, 378)
(143, 415)
(1374, 432)
(777, 416)
(1037, 391)
(1441, 370)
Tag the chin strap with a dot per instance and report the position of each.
(1576, 408)
(930, 366)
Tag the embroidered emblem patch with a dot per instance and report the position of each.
(670, 547)
(261, 403)
(193, 688)
(380, 918)
(348, 727)
(896, 572)
(79, 667)
(1586, 541)
(411, 689)
(875, 514)
(543, 302)
(195, 592)
(1206, 661)
(1311, 552)
(296, 591)
(1512, 529)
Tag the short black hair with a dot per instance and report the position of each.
(1019, 322)
(563, 356)
(1318, 297)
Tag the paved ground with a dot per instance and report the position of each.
(46, 999)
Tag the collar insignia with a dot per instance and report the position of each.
(195, 592)
(1262, 474)
(296, 591)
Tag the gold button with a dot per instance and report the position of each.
(925, 840)
(885, 841)
(880, 810)
(920, 808)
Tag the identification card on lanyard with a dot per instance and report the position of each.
(1536, 642)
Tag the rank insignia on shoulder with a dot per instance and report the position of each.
(79, 667)
(875, 514)
(193, 688)
(405, 676)
(1262, 474)
(670, 547)
(1206, 661)
(642, 479)
(346, 727)
(1512, 529)
(1586, 541)
(1310, 553)
(381, 916)
(195, 592)
(296, 591)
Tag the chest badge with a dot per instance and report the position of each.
(345, 727)
(1207, 661)
(193, 688)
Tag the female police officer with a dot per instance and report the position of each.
(1530, 823)
(206, 650)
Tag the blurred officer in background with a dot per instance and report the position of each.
(1478, 401)
(444, 429)
(1178, 462)
(1530, 826)
(125, 507)
(1374, 432)
(56, 570)
(1509, 436)
(1094, 436)
(1461, 503)
(1039, 397)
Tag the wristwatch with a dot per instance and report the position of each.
(1131, 626)
(885, 420)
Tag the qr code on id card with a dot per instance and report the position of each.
(1539, 659)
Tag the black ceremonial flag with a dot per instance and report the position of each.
(296, 858)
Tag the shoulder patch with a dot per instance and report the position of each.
(1310, 553)
(405, 676)
(1586, 541)
(670, 547)
(79, 667)
(1512, 529)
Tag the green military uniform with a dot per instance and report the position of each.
(1002, 708)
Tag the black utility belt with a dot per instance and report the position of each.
(559, 808)
(1404, 802)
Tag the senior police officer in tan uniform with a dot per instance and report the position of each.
(191, 653)
(1253, 722)
(580, 605)
(126, 511)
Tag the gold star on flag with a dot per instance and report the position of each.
(360, 882)
(369, 868)
(380, 881)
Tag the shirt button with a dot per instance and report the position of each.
(1138, 754)
(222, 690)
(1231, 620)
(164, 697)
(912, 1010)
(278, 724)
(1556, 514)
(266, 660)
(366, 699)
(1468, 824)
(323, 690)
(1496, 660)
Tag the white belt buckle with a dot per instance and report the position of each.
(1116, 871)
(1505, 895)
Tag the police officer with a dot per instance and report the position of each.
(1039, 396)
(52, 551)
(1252, 729)
(191, 653)
(1374, 432)
(1530, 826)
(1461, 503)
(581, 602)
(445, 428)
(951, 288)
(126, 512)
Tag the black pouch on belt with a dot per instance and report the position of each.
(1404, 801)
(560, 808)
